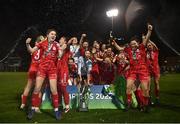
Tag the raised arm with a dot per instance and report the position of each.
(117, 46)
(29, 48)
(70, 41)
(81, 40)
(89, 71)
(99, 59)
(79, 68)
(147, 37)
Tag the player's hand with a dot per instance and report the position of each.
(150, 27)
(64, 46)
(72, 38)
(28, 40)
(113, 42)
(70, 41)
(83, 35)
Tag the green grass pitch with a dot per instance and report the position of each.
(12, 84)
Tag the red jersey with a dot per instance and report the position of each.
(95, 65)
(138, 64)
(108, 73)
(47, 65)
(136, 57)
(82, 51)
(98, 54)
(72, 69)
(95, 71)
(121, 64)
(35, 57)
(63, 62)
(35, 60)
(62, 68)
(152, 57)
(49, 50)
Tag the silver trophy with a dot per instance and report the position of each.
(83, 98)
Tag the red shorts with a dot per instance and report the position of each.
(32, 72)
(126, 73)
(62, 91)
(139, 72)
(95, 74)
(47, 69)
(155, 72)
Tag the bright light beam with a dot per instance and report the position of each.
(112, 12)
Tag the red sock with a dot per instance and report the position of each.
(35, 100)
(23, 99)
(139, 97)
(146, 100)
(39, 102)
(60, 95)
(55, 100)
(129, 98)
(66, 96)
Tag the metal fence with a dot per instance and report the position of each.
(12, 64)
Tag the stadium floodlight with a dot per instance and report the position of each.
(112, 13)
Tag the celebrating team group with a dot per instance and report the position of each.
(73, 62)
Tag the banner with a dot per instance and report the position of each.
(97, 100)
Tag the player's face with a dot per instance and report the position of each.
(150, 46)
(103, 46)
(62, 41)
(121, 56)
(94, 44)
(109, 50)
(51, 36)
(85, 45)
(87, 54)
(97, 46)
(70, 62)
(74, 41)
(134, 44)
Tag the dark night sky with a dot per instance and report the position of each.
(73, 17)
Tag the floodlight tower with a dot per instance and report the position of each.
(112, 13)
